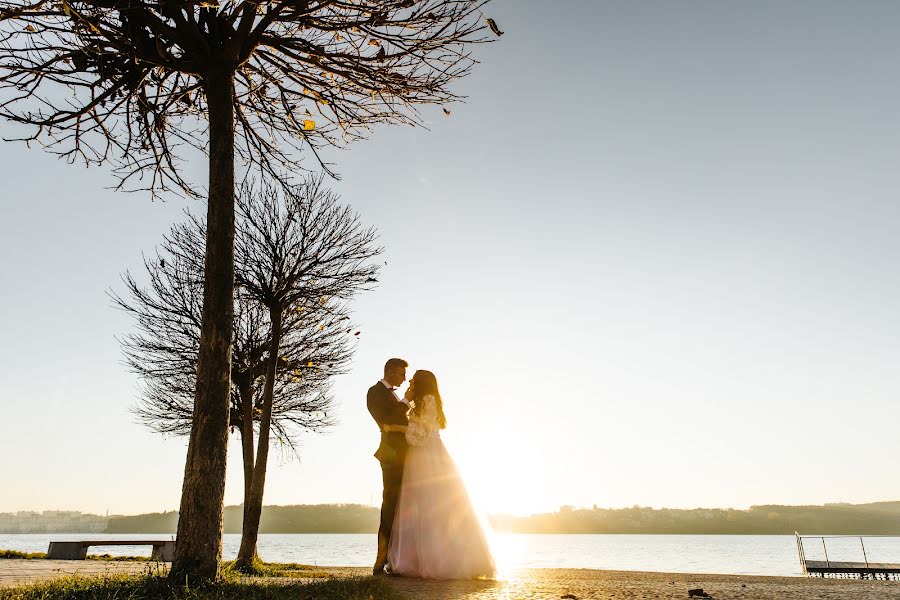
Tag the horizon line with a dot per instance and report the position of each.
(560, 509)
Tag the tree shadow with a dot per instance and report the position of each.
(458, 589)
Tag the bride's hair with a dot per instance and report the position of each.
(426, 385)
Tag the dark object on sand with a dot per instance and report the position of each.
(569, 597)
(698, 593)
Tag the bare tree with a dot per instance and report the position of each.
(132, 82)
(301, 257)
(290, 249)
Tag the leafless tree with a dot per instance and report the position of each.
(135, 83)
(301, 257)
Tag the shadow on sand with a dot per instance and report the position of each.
(446, 590)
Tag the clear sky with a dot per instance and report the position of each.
(652, 260)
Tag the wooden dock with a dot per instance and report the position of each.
(844, 569)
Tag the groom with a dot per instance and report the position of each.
(389, 411)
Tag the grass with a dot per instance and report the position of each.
(267, 569)
(17, 554)
(257, 569)
(112, 558)
(154, 587)
(38, 555)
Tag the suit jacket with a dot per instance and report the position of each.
(387, 410)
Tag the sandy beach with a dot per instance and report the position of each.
(537, 584)
(546, 584)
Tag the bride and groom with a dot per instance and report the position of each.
(429, 528)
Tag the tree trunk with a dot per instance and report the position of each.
(245, 392)
(253, 511)
(198, 548)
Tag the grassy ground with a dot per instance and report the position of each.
(266, 569)
(152, 587)
(258, 569)
(110, 557)
(17, 554)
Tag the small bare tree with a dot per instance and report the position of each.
(301, 257)
(134, 82)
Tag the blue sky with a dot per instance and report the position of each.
(652, 260)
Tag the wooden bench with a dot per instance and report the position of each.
(163, 550)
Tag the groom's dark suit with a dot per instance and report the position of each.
(387, 410)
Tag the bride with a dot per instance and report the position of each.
(436, 532)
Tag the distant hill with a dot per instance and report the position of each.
(164, 522)
(875, 518)
(302, 518)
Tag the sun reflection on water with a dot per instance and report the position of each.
(507, 551)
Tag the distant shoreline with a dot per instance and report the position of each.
(878, 518)
(172, 533)
(168, 533)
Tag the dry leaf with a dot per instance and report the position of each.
(493, 25)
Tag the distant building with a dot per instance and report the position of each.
(52, 521)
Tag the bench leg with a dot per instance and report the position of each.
(67, 551)
(164, 552)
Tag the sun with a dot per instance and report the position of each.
(503, 473)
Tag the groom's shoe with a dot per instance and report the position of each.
(378, 570)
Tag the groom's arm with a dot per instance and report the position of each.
(394, 428)
(381, 405)
(377, 406)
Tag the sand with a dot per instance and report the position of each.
(583, 584)
(539, 584)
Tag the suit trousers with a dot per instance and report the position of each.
(392, 477)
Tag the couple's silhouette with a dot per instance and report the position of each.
(429, 527)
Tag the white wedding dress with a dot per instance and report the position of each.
(436, 533)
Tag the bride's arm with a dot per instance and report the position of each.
(415, 432)
(422, 425)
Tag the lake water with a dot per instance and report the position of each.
(728, 554)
